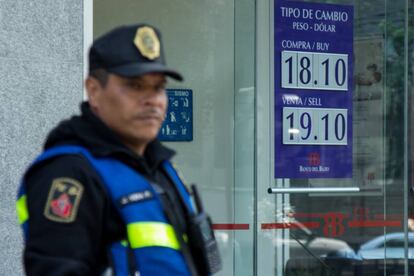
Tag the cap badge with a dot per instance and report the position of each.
(147, 42)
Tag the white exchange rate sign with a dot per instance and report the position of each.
(309, 70)
(314, 126)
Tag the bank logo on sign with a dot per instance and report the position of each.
(314, 159)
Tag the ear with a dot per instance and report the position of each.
(93, 89)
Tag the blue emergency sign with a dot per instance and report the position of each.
(178, 124)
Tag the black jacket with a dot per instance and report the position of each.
(80, 247)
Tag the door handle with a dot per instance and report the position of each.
(313, 190)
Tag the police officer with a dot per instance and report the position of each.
(103, 196)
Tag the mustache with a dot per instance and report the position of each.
(151, 112)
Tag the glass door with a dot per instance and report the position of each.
(332, 126)
(212, 43)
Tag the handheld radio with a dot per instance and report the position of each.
(202, 240)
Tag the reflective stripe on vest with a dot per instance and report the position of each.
(152, 238)
(143, 234)
(21, 209)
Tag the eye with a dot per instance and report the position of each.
(135, 85)
(160, 87)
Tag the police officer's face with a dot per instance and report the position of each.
(134, 108)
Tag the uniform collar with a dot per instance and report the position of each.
(89, 131)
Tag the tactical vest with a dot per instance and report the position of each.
(151, 237)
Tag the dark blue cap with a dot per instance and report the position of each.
(130, 51)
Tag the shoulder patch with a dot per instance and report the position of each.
(63, 200)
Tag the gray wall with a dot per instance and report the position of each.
(41, 70)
